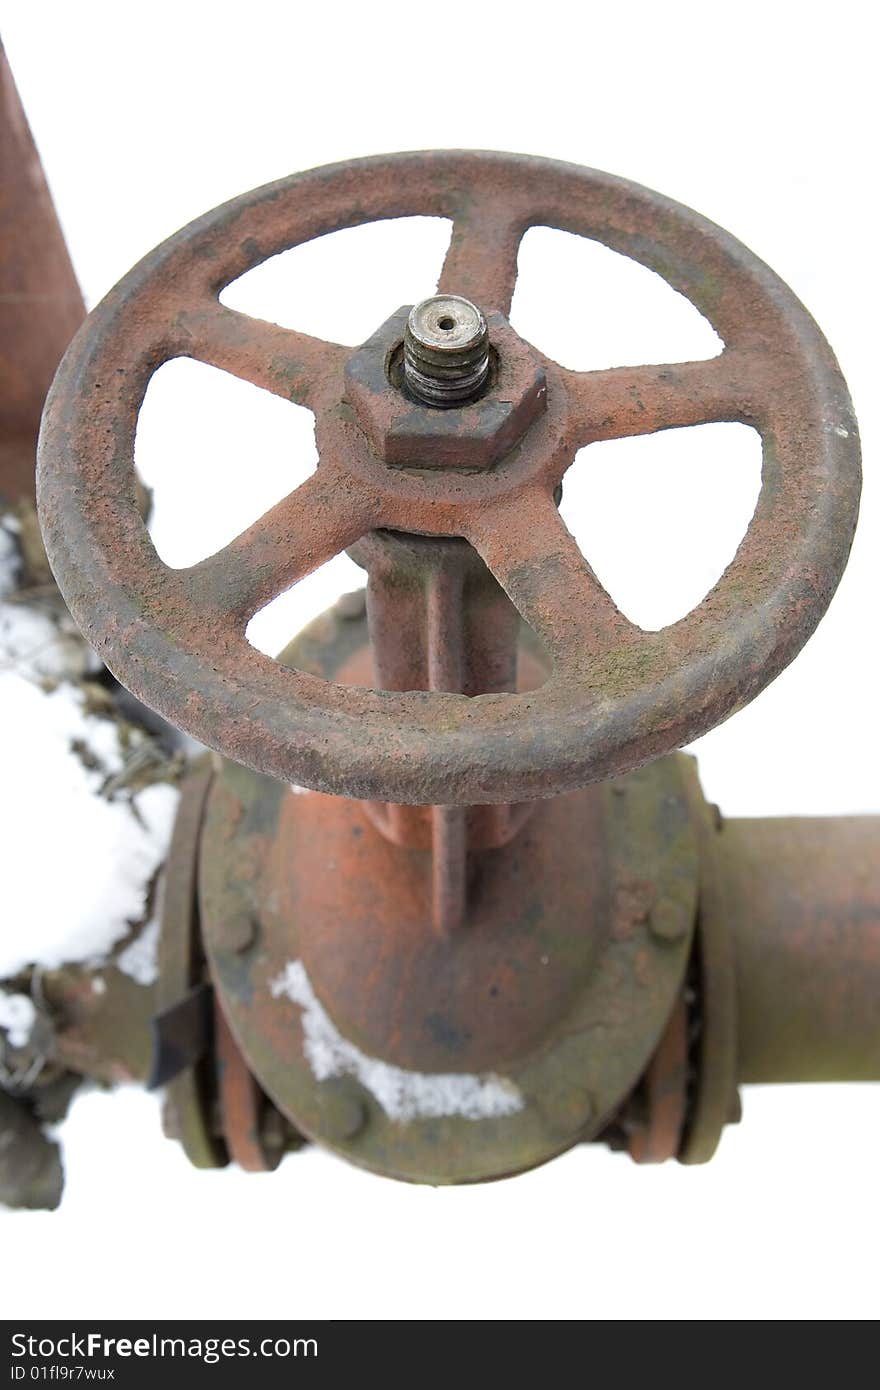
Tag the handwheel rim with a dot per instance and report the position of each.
(601, 713)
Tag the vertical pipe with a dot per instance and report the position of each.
(41, 306)
(396, 617)
(439, 621)
(445, 672)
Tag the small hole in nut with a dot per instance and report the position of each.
(447, 324)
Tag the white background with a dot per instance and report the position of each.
(762, 117)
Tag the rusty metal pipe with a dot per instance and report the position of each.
(41, 306)
(445, 645)
(438, 620)
(803, 898)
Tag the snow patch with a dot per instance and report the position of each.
(403, 1095)
(17, 1017)
(140, 960)
(40, 647)
(39, 643)
(77, 865)
(9, 555)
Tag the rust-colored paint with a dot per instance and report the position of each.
(189, 1099)
(610, 952)
(407, 434)
(713, 1044)
(41, 306)
(617, 696)
(241, 1103)
(557, 980)
(439, 621)
(663, 1093)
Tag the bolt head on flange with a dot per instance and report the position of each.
(407, 433)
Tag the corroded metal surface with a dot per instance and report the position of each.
(617, 696)
(438, 620)
(242, 1106)
(102, 1019)
(188, 1109)
(41, 306)
(407, 434)
(445, 351)
(605, 959)
(802, 897)
(656, 1136)
(713, 1101)
(575, 947)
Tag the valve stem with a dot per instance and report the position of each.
(446, 351)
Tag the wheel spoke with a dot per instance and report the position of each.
(534, 557)
(316, 521)
(287, 363)
(624, 401)
(480, 264)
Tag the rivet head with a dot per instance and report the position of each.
(667, 922)
(343, 1113)
(237, 933)
(567, 1109)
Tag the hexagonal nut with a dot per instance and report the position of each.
(407, 434)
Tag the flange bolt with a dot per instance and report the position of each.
(446, 351)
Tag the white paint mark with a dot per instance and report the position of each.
(99, 985)
(299, 791)
(403, 1095)
(17, 1018)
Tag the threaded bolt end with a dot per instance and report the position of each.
(446, 351)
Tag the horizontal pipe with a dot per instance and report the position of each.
(803, 898)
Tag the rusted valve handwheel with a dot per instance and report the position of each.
(618, 695)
